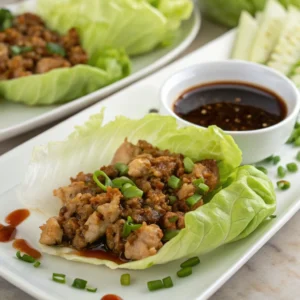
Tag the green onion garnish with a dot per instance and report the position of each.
(25, 257)
(297, 125)
(173, 219)
(129, 226)
(188, 165)
(37, 264)
(198, 181)
(169, 234)
(155, 285)
(273, 216)
(172, 199)
(79, 284)
(190, 262)
(203, 188)
(91, 290)
(60, 278)
(292, 167)
(191, 201)
(121, 181)
(281, 171)
(6, 19)
(276, 160)
(168, 283)
(54, 48)
(297, 141)
(269, 159)
(185, 272)
(122, 168)
(298, 156)
(125, 279)
(107, 180)
(174, 182)
(283, 185)
(132, 192)
(262, 169)
(16, 50)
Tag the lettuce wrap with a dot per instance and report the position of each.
(244, 199)
(138, 26)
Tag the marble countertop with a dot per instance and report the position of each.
(273, 273)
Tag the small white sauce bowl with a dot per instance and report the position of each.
(256, 145)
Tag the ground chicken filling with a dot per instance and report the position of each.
(148, 192)
(27, 47)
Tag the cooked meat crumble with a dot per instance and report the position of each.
(27, 47)
(132, 226)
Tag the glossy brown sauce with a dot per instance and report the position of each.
(101, 254)
(16, 217)
(233, 106)
(7, 233)
(24, 247)
(111, 297)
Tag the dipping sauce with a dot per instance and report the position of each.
(111, 297)
(7, 233)
(232, 106)
(101, 255)
(16, 217)
(23, 246)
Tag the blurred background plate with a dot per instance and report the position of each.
(17, 118)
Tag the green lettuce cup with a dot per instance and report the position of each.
(244, 199)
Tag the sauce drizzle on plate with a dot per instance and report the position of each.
(23, 246)
(111, 297)
(16, 217)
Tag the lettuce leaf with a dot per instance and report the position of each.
(138, 26)
(66, 84)
(245, 198)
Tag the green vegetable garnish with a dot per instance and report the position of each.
(292, 167)
(273, 216)
(203, 188)
(37, 264)
(60, 278)
(25, 257)
(16, 50)
(297, 141)
(188, 165)
(79, 284)
(54, 48)
(262, 169)
(129, 226)
(168, 283)
(281, 171)
(155, 285)
(190, 262)
(172, 199)
(185, 272)
(131, 192)
(107, 180)
(283, 185)
(198, 181)
(298, 156)
(91, 290)
(276, 160)
(6, 19)
(121, 181)
(174, 182)
(169, 234)
(191, 201)
(173, 219)
(269, 159)
(125, 279)
(122, 168)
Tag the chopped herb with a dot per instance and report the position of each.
(16, 50)
(132, 192)
(60, 278)
(122, 168)
(188, 165)
(191, 201)
(155, 285)
(79, 284)
(276, 160)
(292, 167)
(196, 182)
(174, 182)
(283, 185)
(191, 262)
(54, 48)
(25, 257)
(269, 159)
(168, 283)
(281, 171)
(121, 181)
(185, 272)
(203, 188)
(129, 226)
(37, 264)
(169, 234)
(91, 290)
(108, 182)
(125, 279)
(262, 169)
(6, 19)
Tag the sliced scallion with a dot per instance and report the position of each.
(125, 279)
(25, 257)
(169, 234)
(101, 185)
(122, 168)
(54, 48)
(269, 159)
(60, 278)
(188, 165)
(203, 188)
(262, 169)
(132, 192)
(79, 284)
(281, 171)
(276, 160)
(283, 185)
(198, 181)
(172, 199)
(185, 272)
(91, 290)
(121, 181)
(16, 50)
(129, 226)
(190, 262)
(292, 167)
(174, 182)
(155, 285)
(168, 283)
(191, 201)
(37, 264)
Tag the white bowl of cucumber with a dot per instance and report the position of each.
(255, 104)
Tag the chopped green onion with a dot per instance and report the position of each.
(129, 226)
(168, 283)
(276, 160)
(198, 181)
(155, 285)
(25, 257)
(281, 171)
(298, 156)
(297, 125)
(190, 262)
(203, 188)
(172, 199)
(132, 192)
(169, 234)
(16, 50)
(6, 19)
(60, 278)
(292, 167)
(125, 279)
(191, 201)
(107, 180)
(269, 159)
(174, 182)
(37, 264)
(297, 141)
(188, 165)
(54, 48)
(185, 272)
(121, 181)
(91, 290)
(295, 134)
(79, 284)
(283, 185)
(273, 216)
(173, 219)
(262, 169)
(122, 168)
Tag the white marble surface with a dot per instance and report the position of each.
(273, 273)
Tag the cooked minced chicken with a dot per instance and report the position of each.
(90, 215)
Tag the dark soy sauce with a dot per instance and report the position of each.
(232, 106)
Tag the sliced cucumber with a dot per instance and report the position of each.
(246, 32)
(269, 31)
(287, 51)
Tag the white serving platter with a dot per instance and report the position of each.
(17, 118)
(215, 268)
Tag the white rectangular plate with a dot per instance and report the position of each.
(215, 268)
(18, 118)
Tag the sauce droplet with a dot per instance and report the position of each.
(23, 246)
(111, 297)
(101, 255)
(16, 217)
(7, 233)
